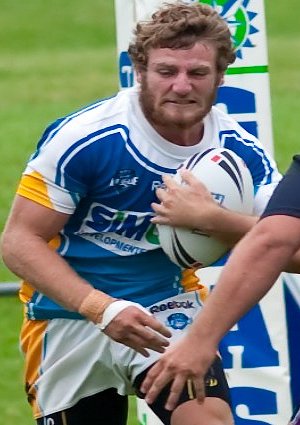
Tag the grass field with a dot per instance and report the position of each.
(57, 56)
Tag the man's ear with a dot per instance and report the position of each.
(221, 79)
(138, 75)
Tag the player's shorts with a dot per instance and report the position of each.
(296, 417)
(215, 386)
(69, 360)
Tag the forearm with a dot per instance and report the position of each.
(229, 226)
(31, 259)
(252, 269)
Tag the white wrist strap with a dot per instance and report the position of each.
(114, 309)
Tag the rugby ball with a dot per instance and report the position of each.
(229, 181)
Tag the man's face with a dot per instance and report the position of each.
(179, 86)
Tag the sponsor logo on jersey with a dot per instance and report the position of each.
(178, 321)
(122, 232)
(156, 184)
(170, 305)
(124, 179)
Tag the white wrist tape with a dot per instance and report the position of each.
(114, 309)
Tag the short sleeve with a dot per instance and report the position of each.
(286, 197)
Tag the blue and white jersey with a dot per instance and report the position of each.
(101, 165)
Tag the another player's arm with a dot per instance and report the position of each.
(294, 264)
(26, 252)
(267, 249)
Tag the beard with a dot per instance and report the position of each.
(159, 113)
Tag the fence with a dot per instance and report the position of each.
(9, 288)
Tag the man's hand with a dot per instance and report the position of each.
(188, 205)
(187, 361)
(137, 329)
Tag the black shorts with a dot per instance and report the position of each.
(295, 419)
(110, 408)
(215, 386)
(107, 408)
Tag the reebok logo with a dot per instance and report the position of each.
(171, 305)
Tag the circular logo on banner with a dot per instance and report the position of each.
(238, 19)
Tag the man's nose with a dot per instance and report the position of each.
(182, 84)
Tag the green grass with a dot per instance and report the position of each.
(13, 408)
(284, 63)
(57, 56)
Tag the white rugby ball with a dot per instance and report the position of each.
(229, 181)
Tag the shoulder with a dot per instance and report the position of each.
(229, 126)
(89, 122)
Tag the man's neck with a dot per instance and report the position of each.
(183, 137)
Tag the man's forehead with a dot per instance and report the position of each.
(199, 49)
(200, 53)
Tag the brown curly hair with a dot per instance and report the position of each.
(180, 26)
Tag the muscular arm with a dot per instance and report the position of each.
(252, 269)
(26, 253)
(255, 264)
(293, 265)
(271, 246)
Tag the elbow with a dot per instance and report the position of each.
(5, 249)
(9, 250)
(274, 235)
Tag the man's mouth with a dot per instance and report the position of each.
(180, 101)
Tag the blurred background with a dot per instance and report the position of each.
(56, 57)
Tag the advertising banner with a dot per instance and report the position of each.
(260, 353)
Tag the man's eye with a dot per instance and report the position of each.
(165, 72)
(199, 73)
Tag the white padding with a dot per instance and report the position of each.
(114, 309)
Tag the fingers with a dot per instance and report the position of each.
(166, 198)
(153, 340)
(170, 184)
(175, 391)
(188, 177)
(195, 389)
(138, 330)
(159, 376)
(139, 341)
(191, 182)
(160, 218)
(199, 389)
(153, 385)
(154, 324)
(155, 382)
(142, 341)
